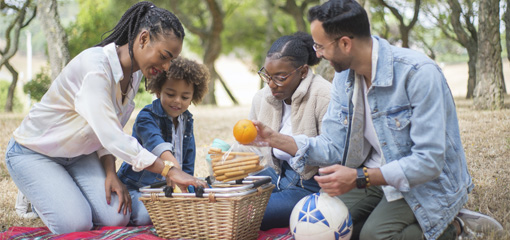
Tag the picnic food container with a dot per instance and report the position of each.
(231, 210)
(229, 165)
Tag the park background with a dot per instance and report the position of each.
(485, 133)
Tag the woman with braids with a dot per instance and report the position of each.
(293, 102)
(62, 156)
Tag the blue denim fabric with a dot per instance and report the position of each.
(67, 193)
(153, 129)
(288, 191)
(416, 123)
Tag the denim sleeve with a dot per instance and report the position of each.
(322, 150)
(394, 176)
(148, 132)
(161, 148)
(428, 94)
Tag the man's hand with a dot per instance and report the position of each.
(113, 184)
(336, 179)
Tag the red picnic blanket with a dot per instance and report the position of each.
(132, 233)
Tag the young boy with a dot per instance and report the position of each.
(165, 128)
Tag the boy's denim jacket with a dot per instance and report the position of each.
(416, 123)
(153, 130)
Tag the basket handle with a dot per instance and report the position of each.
(168, 190)
(158, 184)
(259, 183)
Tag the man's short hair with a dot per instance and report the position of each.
(341, 18)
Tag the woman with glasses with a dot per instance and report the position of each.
(293, 102)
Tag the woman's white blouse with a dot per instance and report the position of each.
(83, 112)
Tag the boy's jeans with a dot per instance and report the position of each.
(67, 193)
(285, 195)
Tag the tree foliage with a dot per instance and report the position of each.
(89, 27)
(39, 85)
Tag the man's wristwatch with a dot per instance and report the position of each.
(361, 179)
(168, 165)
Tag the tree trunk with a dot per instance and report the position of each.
(56, 37)
(404, 35)
(211, 41)
(298, 12)
(466, 35)
(488, 93)
(404, 29)
(269, 11)
(9, 103)
(12, 34)
(472, 54)
(210, 97)
(506, 18)
(212, 52)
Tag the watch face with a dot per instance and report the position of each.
(361, 181)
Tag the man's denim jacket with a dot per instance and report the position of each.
(416, 123)
(153, 130)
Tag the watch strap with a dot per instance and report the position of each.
(168, 166)
(361, 180)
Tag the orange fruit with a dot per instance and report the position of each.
(244, 131)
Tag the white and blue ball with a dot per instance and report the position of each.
(319, 216)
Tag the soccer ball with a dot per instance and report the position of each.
(319, 216)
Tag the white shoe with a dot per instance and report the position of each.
(476, 225)
(24, 208)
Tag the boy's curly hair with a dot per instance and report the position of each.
(188, 70)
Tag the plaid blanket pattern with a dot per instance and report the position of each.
(118, 233)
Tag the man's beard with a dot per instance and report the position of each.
(338, 66)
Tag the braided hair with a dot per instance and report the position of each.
(143, 15)
(297, 48)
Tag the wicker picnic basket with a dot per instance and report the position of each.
(233, 211)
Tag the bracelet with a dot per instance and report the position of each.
(365, 172)
(362, 179)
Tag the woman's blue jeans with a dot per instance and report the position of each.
(288, 191)
(67, 193)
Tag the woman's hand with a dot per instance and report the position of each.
(113, 184)
(183, 180)
(267, 137)
(264, 134)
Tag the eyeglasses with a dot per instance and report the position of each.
(318, 47)
(277, 80)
